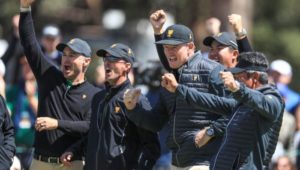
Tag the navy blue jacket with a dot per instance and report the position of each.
(7, 139)
(252, 132)
(113, 141)
(185, 119)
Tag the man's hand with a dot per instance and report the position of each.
(229, 81)
(158, 19)
(169, 82)
(66, 158)
(131, 97)
(201, 138)
(26, 3)
(45, 123)
(236, 21)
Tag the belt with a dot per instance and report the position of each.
(48, 159)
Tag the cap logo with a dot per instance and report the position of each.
(117, 109)
(129, 51)
(218, 35)
(190, 36)
(170, 33)
(84, 96)
(112, 46)
(72, 41)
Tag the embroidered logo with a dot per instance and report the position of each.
(84, 96)
(170, 33)
(117, 109)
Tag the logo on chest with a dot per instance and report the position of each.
(117, 109)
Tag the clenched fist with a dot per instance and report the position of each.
(26, 3)
(169, 82)
(158, 19)
(131, 97)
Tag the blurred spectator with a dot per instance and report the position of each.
(50, 39)
(22, 102)
(281, 74)
(2, 82)
(212, 26)
(284, 163)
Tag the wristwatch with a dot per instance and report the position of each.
(210, 132)
(242, 33)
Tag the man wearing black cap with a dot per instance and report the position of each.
(64, 96)
(223, 49)
(256, 108)
(192, 69)
(114, 142)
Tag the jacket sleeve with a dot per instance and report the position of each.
(206, 101)
(77, 128)
(7, 148)
(160, 51)
(267, 105)
(217, 87)
(244, 45)
(150, 149)
(78, 148)
(32, 49)
(144, 116)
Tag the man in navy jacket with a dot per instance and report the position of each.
(256, 108)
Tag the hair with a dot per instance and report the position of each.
(255, 59)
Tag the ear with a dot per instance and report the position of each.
(86, 61)
(255, 77)
(235, 54)
(128, 67)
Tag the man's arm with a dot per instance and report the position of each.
(243, 43)
(142, 114)
(31, 47)
(269, 106)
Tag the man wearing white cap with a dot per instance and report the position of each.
(50, 39)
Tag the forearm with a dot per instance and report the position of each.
(244, 45)
(161, 54)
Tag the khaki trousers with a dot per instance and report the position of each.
(40, 165)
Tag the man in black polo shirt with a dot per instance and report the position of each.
(64, 95)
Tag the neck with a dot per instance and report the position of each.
(77, 81)
(119, 81)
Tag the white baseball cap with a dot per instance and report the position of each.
(282, 67)
(51, 30)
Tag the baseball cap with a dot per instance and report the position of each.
(246, 64)
(78, 45)
(118, 51)
(224, 38)
(51, 31)
(281, 67)
(176, 34)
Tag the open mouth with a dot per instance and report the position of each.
(108, 70)
(172, 59)
(67, 68)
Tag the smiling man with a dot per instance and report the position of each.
(64, 96)
(192, 69)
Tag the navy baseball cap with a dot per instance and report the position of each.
(78, 45)
(224, 38)
(117, 51)
(176, 34)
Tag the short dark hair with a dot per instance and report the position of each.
(255, 58)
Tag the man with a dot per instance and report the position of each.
(224, 48)
(7, 147)
(64, 96)
(193, 70)
(256, 108)
(114, 142)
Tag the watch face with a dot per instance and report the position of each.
(210, 132)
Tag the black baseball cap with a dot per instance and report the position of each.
(224, 38)
(176, 34)
(117, 51)
(78, 45)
